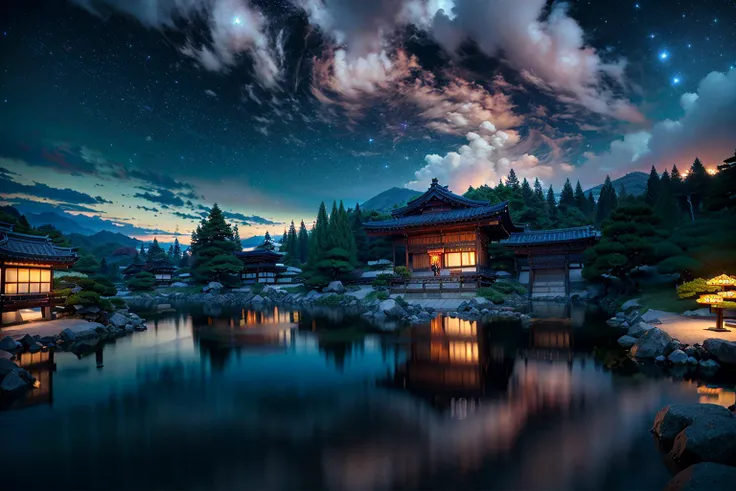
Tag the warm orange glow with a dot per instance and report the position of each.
(721, 280)
(684, 174)
(712, 172)
(728, 294)
(710, 299)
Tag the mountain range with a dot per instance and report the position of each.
(635, 184)
(388, 200)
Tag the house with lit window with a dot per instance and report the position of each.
(27, 264)
(446, 230)
(262, 266)
(160, 268)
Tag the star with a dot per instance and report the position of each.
(664, 55)
(370, 140)
(237, 21)
(676, 80)
(637, 6)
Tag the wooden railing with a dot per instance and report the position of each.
(26, 300)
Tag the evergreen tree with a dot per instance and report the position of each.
(303, 243)
(155, 252)
(567, 197)
(291, 244)
(512, 181)
(696, 185)
(607, 202)
(362, 242)
(320, 234)
(267, 243)
(527, 195)
(622, 194)
(87, 264)
(580, 200)
(330, 256)
(212, 247)
(666, 208)
(142, 253)
(236, 239)
(284, 236)
(591, 203)
(538, 192)
(104, 268)
(176, 253)
(676, 178)
(551, 203)
(653, 188)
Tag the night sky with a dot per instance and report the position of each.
(145, 112)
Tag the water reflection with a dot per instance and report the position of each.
(296, 400)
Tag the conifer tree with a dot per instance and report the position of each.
(362, 242)
(142, 253)
(236, 239)
(607, 201)
(155, 252)
(284, 236)
(512, 181)
(696, 185)
(580, 200)
(176, 253)
(591, 203)
(267, 243)
(320, 233)
(291, 245)
(212, 247)
(527, 195)
(104, 268)
(567, 197)
(652, 188)
(303, 243)
(538, 192)
(551, 203)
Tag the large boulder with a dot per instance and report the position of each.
(391, 309)
(722, 350)
(626, 341)
(631, 304)
(672, 419)
(6, 366)
(212, 287)
(68, 336)
(706, 476)
(706, 442)
(678, 357)
(4, 355)
(650, 317)
(336, 287)
(13, 382)
(638, 329)
(8, 344)
(651, 344)
(118, 320)
(258, 299)
(179, 284)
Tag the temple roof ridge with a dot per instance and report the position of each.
(439, 192)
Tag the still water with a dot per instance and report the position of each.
(297, 400)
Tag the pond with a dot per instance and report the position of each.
(322, 400)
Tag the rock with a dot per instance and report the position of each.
(660, 359)
(4, 355)
(336, 287)
(678, 357)
(88, 333)
(8, 344)
(129, 328)
(27, 340)
(179, 284)
(212, 287)
(25, 375)
(258, 299)
(709, 364)
(692, 360)
(118, 320)
(705, 476)
(691, 351)
(310, 296)
(706, 441)
(631, 304)
(615, 322)
(13, 382)
(672, 419)
(633, 317)
(67, 335)
(704, 312)
(651, 344)
(6, 366)
(638, 329)
(722, 350)
(35, 348)
(650, 317)
(626, 341)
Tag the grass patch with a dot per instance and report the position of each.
(491, 294)
(295, 289)
(379, 295)
(508, 287)
(330, 300)
(664, 297)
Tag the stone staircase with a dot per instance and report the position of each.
(548, 289)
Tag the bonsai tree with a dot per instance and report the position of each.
(142, 281)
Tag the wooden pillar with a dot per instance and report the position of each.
(393, 251)
(567, 275)
(478, 250)
(2, 291)
(406, 252)
(531, 274)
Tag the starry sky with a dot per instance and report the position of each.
(143, 113)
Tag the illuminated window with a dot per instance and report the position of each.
(464, 352)
(459, 259)
(27, 280)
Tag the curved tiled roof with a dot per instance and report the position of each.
(441, 193)
(17, 246)
(552, 235)
(452, 216)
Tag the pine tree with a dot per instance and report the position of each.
(607, 202)
(362, 242)
(104, 268)
(512, 181)
(551, 203)
(142, 253)
(580, 200)
(284, 236)
(591, 203)
(652, 188)
(267, 243)
(303, 243)
(177, 251)
(567, 197)
(290, 245)
(320, 234)
(155, 252)
(675, 177)
(527, 195)
(212, 247)
(538, 192)
(696, 185)
(622, 194)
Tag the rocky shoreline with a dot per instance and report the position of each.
(645, 341)
(335, 295)
(15, 380)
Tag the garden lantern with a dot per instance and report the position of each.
(714, 301)
(722, 281)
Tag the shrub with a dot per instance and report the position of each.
(695, 287)
(257, 288)
(118, 302)
(403, 272)
(508, 286)
(381, 281)
(491, 294)
(403, 303)
(330, 300)
(382, 295)
(142, 281)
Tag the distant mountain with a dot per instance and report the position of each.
(61, 223)
(385, 201)
(257, 240)
(635, 184)
(114, 246)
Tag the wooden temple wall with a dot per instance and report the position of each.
(417, 248)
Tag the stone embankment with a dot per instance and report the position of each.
(646, 341)
(379, 309)
(701, 443)
(85, 337)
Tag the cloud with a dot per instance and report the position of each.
(186, 216)
(487, 157)
(43, 191)
(249, 220)
(163, 197)
(549, 51)
(6, 173)
(210, 93)
(234, 27)
(704, 130)
(158, 180)
(33, 206)
(146, 208)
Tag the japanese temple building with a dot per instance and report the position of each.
(27, 264)
(444, 229)
(160, 268)
(262, 266)
(549, 261)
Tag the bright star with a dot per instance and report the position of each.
(237, 21)
(370, 140)
(663, 55)
(636, 5)
(651, 36)
(675, 80)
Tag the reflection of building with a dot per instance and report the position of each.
(452, 359)
(27, 264)
(550, 341)
(716, 395)
(41, 365)
(547, 261)
(445, 229)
